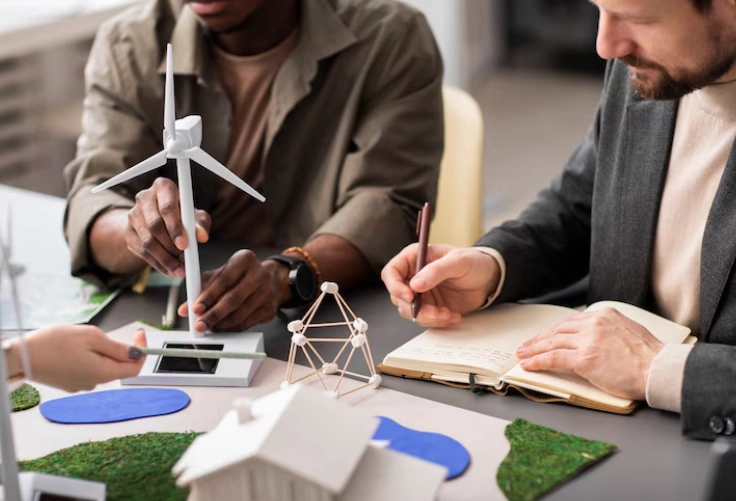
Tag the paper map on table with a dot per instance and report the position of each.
(48, 299)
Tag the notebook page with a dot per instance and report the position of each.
(484, 342)
(665, 330)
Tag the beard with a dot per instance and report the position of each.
(661, 84)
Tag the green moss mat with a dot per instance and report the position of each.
(24, 398)
(133, 468)
(139, 466)
(542, 458)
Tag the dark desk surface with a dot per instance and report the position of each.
(654, 462)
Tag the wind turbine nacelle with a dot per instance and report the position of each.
(188, 134)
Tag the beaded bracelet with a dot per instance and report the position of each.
(310, 261)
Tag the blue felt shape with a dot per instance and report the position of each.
(110, 406)
(432, 447)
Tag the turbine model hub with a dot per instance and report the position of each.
(175, 146)
(188, 135)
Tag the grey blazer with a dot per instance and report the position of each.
(599, 217)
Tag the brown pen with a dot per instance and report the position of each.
(423, 220)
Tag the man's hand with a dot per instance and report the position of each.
(155, 232)
(605, 347)
(76, 357)
(242, 293)
(455, 281)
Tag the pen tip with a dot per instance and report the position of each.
(414, 320)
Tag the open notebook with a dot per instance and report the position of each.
(484, 345)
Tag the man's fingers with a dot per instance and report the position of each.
(431, 316)
(168, 208)
(151, 250)
(242, 318)
(398, 271)
(560, 341)
(570, 325)
(222, 281)
(133, 241)
(154, 221)
(203, 225)
(561, 360)
(395, 282)
(436, 272)
(232, 309)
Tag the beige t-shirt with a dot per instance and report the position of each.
(247, 81)
(704, 135)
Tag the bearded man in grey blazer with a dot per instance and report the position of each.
(646, 208)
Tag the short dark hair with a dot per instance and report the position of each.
(703, 5)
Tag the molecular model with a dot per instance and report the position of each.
(356, 341)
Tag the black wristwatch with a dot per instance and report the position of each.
(302, 280)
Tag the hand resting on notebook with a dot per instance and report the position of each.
(605, 347)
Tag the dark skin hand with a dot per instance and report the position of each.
(149, 233)
(246, 292)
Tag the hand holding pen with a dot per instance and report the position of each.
(435, 285)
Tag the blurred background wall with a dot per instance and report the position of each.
(530, 64)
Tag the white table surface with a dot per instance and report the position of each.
(482, 435)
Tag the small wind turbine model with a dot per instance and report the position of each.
(182, 139)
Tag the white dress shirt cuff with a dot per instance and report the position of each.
(664, 383)
(502, 265)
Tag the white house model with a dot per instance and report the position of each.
(299, 444)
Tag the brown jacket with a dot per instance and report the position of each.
(354, 136)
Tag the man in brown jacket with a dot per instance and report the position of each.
(332, 109)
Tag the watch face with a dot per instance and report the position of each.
(305, 282)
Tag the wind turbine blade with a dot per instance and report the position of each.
(205, 160)
(148, 164)
(169, 102)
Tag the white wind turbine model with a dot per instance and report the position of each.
(182, 139)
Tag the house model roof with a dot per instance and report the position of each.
(297, 429)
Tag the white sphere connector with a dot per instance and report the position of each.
(358, 341)
(360, 325)
(375, 380)
(333, 394)
(329, 287)
(295, 326)
(329, 368)
(299, 339)
(285, 384)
